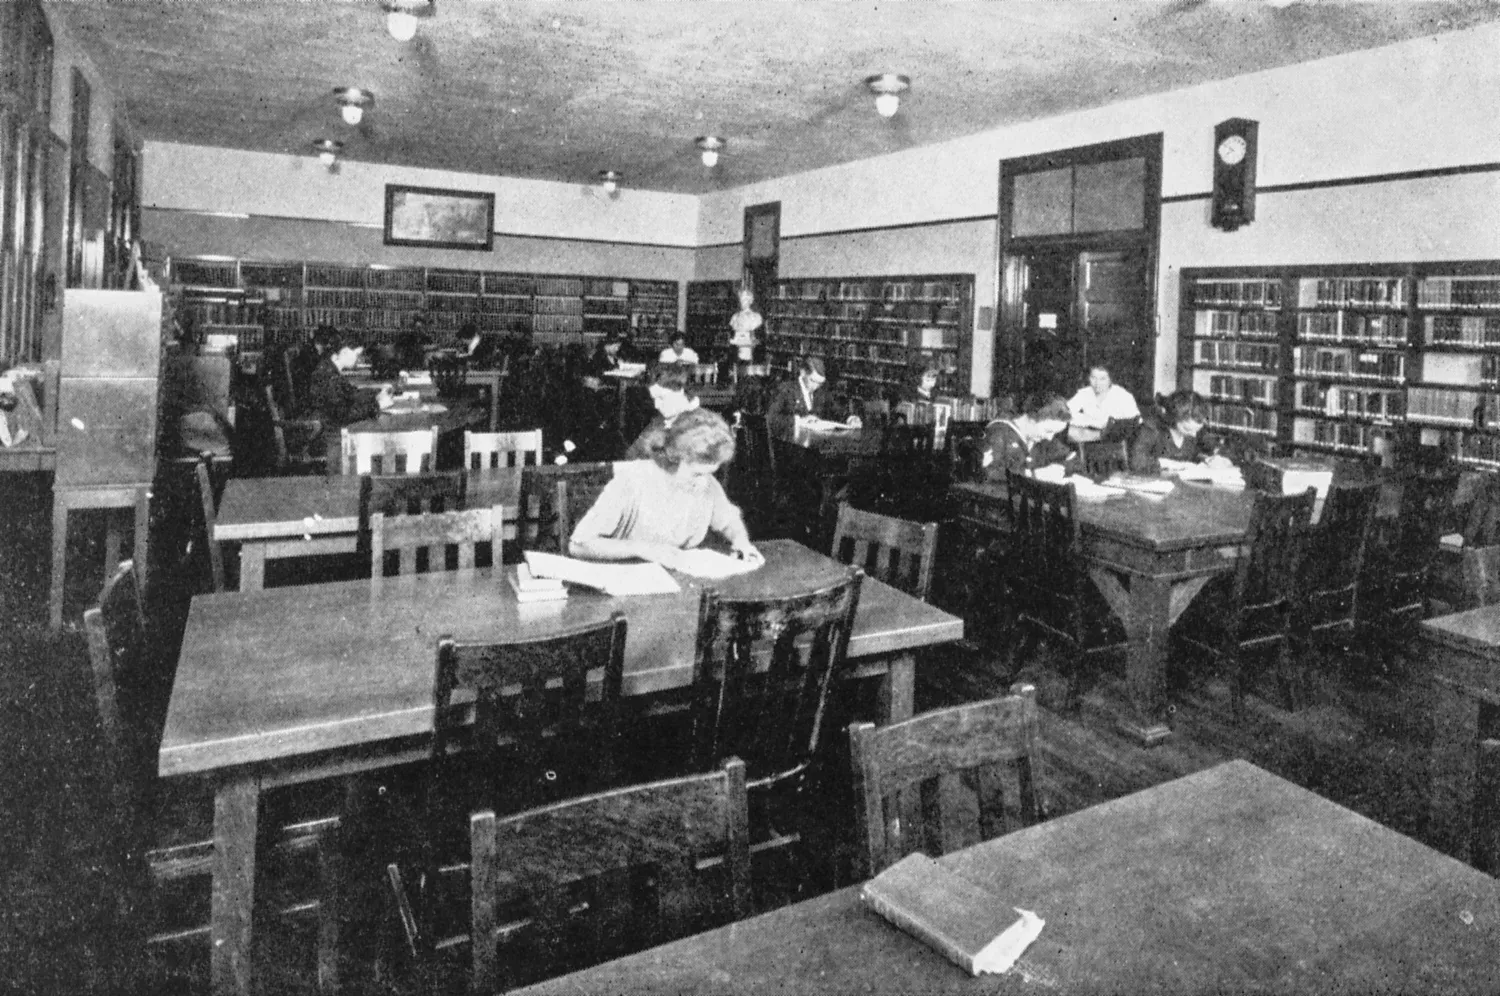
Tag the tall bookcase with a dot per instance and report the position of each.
(710, 303)
(1338, 359)
(286, 300)
(875, 333)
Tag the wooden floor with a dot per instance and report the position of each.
(67, 919)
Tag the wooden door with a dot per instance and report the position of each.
(1115, 326)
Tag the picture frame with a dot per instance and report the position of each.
(433, 218)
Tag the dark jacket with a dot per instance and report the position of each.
(787, 403)
(334, 401)
(649, 442)
(1154, 444)
(1012, 454)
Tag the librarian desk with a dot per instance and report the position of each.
(273, 518)
(1463, 652)
(1229, 880)
(294, 684)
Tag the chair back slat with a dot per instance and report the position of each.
(761, 681)
(502, 449)
(905, 773)
(554, 498)
(410, 537)
(580, 882)
(897, 551)
(1335, 557)
(388, 452)
(210, 518)
(411, 494)
(704, 373)
(1267, 577)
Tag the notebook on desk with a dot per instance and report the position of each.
(612, 579)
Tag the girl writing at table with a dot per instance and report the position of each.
(658, 508)
(1173, 436)
(1028, 440)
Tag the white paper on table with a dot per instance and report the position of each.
(816, 424)
(612, 579)
(1185, 470)
(1056, 473)
(712, 564)
(1001, 953)
(1088, 489)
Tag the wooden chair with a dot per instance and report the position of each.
(1048, 587)
(1329, 609)
(899, 552)
(450, 375)
(1255, 609)
(536, 738)
(763, 678)
(1398, 571)
(291, 439)
(704, 373)
(554, 498)
(164, 829)
(1101, 459)
(411, 494)
(963, 450)
(1261, 476)
(388, 452)
(502, 449)
(431, 537)
(584, 881)
(1481, 574)
(903, 772)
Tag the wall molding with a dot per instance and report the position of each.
(1351, 181)
(364, 224)
(904, 226)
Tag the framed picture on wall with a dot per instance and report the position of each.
(438, 219)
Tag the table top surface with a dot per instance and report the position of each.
(1474, 630)
(1227, 880)
(270, 507)
(289, 671)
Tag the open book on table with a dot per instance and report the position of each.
(817, 424)
(612, 579)
(971, 926)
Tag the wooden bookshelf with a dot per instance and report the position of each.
(379, 304)
(875, 333)
(710, 303)
(1338, 359)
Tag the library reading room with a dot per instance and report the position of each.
(668, 496)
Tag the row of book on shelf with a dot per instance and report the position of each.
(1382, 292)
(1386, 365)
(865, 311)
(869, 290)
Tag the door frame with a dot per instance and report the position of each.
(1009, 356)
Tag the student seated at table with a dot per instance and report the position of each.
(921, 387)
(329, 397)
(1102, 409)
(1028, 440)
(478, 349)
(669, 395)
(1172, 436)
(802, 397)
(678, 351)
(607, 357)
(655, 509)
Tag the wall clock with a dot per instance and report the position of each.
(1234, 174)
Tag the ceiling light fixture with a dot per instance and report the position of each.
(328, 150)
(353, 102)
(888, 88)
(401, 16)
(711, 145)
(609, 180)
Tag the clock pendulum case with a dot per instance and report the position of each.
(1234, 173)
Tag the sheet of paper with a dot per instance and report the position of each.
(712, 564)
(816, 424)
(1001, 953)
(612, 579)
(1089, 490)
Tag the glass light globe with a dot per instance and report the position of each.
(610, 186)
(887, 104)
(710, 158)
(326, 158)
(353, 113)
(401, 25)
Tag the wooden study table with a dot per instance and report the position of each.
(1463, 653)
(1149, 557)
(294, 684)
(1229, 880)
(272, 518)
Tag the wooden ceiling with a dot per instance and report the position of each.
(560, 90)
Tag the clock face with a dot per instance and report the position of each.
(1232, 149)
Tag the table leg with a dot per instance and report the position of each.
(113, 542)
(252, 566)
(235, 813)
(142, 533)
(1146, 626)
(59, 561)
(1451, 765)
(898, 689)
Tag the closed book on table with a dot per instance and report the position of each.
(972, 927)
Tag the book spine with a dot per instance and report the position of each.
(921, 930)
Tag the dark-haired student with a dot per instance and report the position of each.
(801, 397)
(669, 383)
(329, 397)
(1174, 435)
(1028, 440)
(922, 387)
